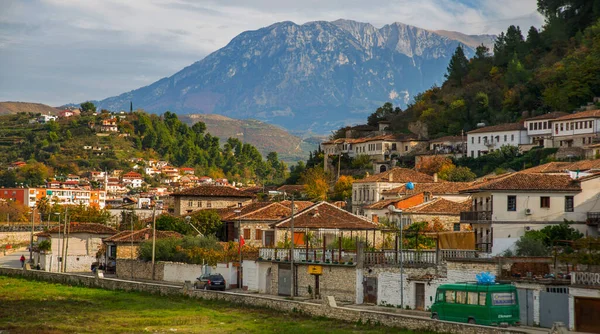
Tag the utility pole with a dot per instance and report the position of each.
(131, 249)
(58, 246)
(241, 272)
(31, 240)
(153, 235)
(68, 231)
(292, 248)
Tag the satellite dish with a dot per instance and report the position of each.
(410, 186)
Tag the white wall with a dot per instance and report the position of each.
(250, 275)
(566, 130)
(475, 141)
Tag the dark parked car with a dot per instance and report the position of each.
(210, 282)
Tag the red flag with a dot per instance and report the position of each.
(242, 243)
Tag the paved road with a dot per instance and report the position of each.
(12, 260)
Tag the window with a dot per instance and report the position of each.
(199, 204)
(556, 128)
(461, 297)
(472, 140)
(505, 137)
(473, 298)
(482, 296)
(478, 140)
(259, 234)
(569, 204)
(450, 297)
(472, 154)
(209, 204)
(576, 125)
(190, 203)
(562, 126)
(456, 227)
(535, 126)
(406, 148)
(440, 296)
(247, 233)
(511, 203)
(530, 126)
(512, 137)
(545, 202)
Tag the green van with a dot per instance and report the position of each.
(484, 304)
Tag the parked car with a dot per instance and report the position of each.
(210, 282)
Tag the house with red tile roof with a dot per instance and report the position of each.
(119, 245)
(133, 180)
(442, 210)
(576, 130)
(209, 197)
(368, 190)
(84, 240)
(490, 138)
(504, 208)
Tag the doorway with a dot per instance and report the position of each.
(420, 296)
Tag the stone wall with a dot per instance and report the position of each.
(141, 269)
(182, 203)
(330, 310)
(337, 281)
(124, 251)
(11, 238)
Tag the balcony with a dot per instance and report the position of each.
(472, 217)
(593, 218)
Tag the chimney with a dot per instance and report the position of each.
(391, 177)
(435, 177)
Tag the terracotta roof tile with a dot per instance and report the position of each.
(291, 188)
(581, 114)
(560, 167)
(449, 138)
(436, 188)
(550, 115)
(141, 235)
(213, 191)
(398, 175)
(92, 228)
(529, 182)
(328, 216)
(499, 127)
(441, 206)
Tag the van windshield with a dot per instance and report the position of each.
(503, 298)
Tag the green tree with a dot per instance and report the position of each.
(531, 245)
(87, 107)
(316, 183)
(208, 222)
(458, 67)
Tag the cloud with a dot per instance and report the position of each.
(59, 51)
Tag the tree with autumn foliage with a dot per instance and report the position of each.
(343, 188)
(316, 183)
(433, 165)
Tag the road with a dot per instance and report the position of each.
(12, 260)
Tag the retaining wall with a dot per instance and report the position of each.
(283, 305)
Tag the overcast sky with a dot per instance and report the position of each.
(60, 51)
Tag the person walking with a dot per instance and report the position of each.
(22, 261)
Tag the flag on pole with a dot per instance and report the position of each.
(242, 243)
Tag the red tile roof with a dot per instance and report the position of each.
(450, 139)
(560, 167)
(581, 114)
(327, 216)
(141, 235)
(292, 188)
(441, 206)
(529, 182)
(499, 127)
(436, 188)
(398, 175)
(383, 204)
(213, 191)
(550, 115)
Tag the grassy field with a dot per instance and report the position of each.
(39, 307)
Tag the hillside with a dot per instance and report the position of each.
(28, 107)
(265, 137)
(312, 77)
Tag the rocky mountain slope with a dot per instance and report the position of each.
(311, 77)
(15, 107)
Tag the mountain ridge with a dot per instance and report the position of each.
(310, 77)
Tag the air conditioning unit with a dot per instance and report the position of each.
(528, 211)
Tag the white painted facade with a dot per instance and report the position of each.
(481, 143)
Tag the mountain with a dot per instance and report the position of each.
(36, 108)
(265, 137)
(311, 77)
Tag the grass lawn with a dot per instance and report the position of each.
(40, 307)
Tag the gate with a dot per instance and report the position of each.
(420, 296)
(526, 306)
(554, 306)
(586, 315)
(370, 290)
(284, 280)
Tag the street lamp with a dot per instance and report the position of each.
(394, 210)
(31, 241)
(188, 220)
(154, 234)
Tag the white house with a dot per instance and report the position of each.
(539, 128)
(133, 179)
(490, 138)
(576, 130)
(506, 207)
(46, 118)
(378, 148)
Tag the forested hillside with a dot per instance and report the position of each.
(74, 145)
(528, 73)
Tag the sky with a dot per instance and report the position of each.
(61, 51)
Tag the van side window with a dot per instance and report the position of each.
(461, 297)
(440, 296)
(482, 298)
(450, 296)
(473, 298)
